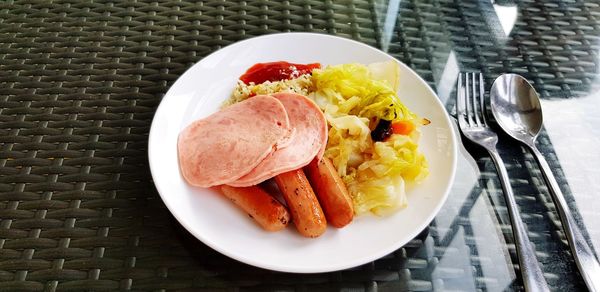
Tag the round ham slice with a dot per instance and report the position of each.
(230, 143)
(308, 141)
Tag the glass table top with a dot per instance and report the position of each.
(81, 81)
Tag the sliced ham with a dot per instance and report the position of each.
(230, 143)
(309, 141)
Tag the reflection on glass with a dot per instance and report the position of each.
(572, 128)
(507, 15)
(387, 16)
(454, 267)
(500, 276)
(447, 80)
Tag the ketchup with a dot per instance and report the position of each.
(276, 71)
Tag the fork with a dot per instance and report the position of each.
(473, 123)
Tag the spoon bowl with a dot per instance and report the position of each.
(516, 107)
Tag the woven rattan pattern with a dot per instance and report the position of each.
(81, 80)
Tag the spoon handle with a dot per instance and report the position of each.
(584, 257)
(533, 278)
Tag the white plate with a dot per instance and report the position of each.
(222, 226)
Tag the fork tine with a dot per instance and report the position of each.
(469, 111)
(476, 111)
(482, 100)
(460, 101)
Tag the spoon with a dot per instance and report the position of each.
(517, 109)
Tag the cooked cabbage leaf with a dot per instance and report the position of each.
(355, 91)
(354, 97)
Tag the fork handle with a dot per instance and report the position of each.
(533, 278)
(582, 253)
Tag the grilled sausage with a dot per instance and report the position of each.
(302, 202)
(262, 207)
(331, 192)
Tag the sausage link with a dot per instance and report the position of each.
(262, 207)
(331, 192)
(302, 202)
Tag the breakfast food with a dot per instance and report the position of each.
(337, 141)
(310, 137)
(361, 104)
(302, 202)
(244, 134)
(262, 207)
(331, 192)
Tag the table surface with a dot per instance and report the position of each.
(80, 81)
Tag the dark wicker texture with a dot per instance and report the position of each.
(81, 80)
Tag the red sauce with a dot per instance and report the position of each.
(275, 71)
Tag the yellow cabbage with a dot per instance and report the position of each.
(354, 98)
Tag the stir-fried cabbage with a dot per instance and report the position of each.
(354, 98)
(355, 91)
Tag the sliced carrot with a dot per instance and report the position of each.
(403, 127)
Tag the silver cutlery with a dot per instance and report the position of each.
(472, 121)
(517, 109)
